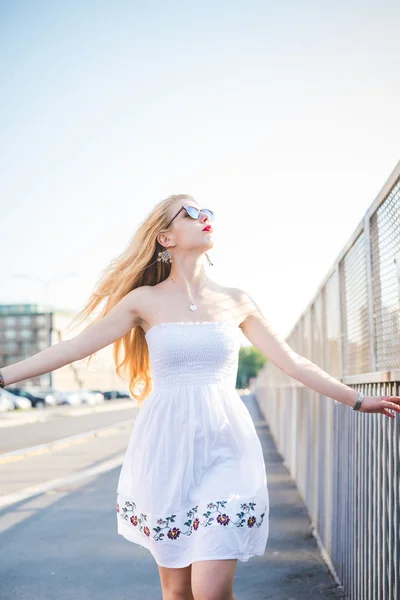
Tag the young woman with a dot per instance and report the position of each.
(192, 488)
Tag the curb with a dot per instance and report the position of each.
(50, 413)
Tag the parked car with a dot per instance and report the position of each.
(37, 401)
(91, 397)
(18, 401)
(72, 398)
(6, 403)
(115, 394)
(50, 396)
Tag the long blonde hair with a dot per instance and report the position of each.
(136, 266)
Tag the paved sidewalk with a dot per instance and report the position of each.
(63, 544)
(292, 567)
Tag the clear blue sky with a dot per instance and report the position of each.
(280, 116)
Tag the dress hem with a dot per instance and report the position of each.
(242, 557)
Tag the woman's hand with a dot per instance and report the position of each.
(381, 404)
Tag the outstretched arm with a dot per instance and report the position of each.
(110, 328)
(261, 334)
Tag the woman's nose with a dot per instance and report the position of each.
(204, 217)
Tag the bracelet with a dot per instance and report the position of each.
(2, 382)
(360, 397)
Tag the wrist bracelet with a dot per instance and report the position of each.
(2, 382)
(360, 397)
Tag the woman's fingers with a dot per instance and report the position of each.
(386, 412)
(381, 404)
(390, 403)
(394, 399)
(392, 406)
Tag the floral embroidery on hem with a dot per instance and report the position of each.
(213, 515)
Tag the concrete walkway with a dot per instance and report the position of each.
(63, 544)
(292, 567)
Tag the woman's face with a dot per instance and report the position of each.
(188, 233)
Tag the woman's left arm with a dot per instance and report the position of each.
(261, 334)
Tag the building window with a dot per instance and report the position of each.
(11, 359)
(10, 321)
(26, 321)
(26, 334)
(10, 334)
(28, 347)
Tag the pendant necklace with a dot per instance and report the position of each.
(192, 306)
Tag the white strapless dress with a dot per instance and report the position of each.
(193, 483)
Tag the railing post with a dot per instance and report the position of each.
(340, 320)
(370, 295)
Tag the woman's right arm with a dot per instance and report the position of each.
(120, 320)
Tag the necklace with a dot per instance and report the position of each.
(192, 306)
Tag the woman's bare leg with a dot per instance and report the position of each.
(213, 579)
(176, 583)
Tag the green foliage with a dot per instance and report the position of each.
(251, 360)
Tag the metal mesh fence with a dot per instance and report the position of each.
(385, 244)
(354, 296)
(332, 341)
(347, 464)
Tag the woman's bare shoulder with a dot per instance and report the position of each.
(237, 294)
(240, 303)
(148, 300)
(140, 299)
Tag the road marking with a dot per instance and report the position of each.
(23, 453)
(40, 488)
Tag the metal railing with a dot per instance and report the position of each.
(347, 464)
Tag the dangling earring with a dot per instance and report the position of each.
(165, 256)
(209, 261)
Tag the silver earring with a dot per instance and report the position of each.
(209, 261)
(165, 256)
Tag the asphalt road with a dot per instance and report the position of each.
(59, 422)
(62, 543)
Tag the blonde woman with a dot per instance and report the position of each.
(192, 488)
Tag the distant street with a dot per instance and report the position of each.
(60, 422)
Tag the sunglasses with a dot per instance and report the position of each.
(194, 213)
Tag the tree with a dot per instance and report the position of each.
(251, 360)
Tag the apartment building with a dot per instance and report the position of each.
(26, 329)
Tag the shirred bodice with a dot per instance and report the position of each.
(194, 353)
